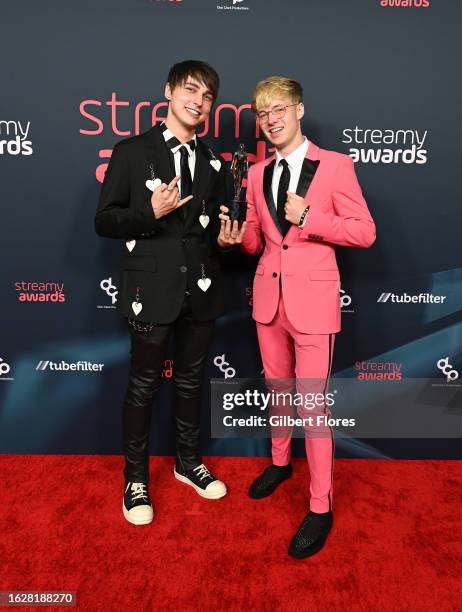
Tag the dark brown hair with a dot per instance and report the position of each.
(201, 71)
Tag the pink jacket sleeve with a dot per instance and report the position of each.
(349, 223)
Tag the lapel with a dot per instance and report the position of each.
(309, 168)
(268, 192)
(158, 155)
(308, 171)
(307, 174)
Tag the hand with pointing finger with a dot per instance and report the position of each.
(165, 199)
(230, 234)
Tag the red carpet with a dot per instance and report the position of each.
(396, 542)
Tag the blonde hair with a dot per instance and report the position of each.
(274, 87)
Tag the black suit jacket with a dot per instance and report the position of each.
(167, 254)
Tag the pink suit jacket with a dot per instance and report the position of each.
(304, 260)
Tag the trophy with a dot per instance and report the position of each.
(239, 167)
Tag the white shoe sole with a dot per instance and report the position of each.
(198, 490)
(136, 521)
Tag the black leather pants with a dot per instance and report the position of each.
(191, 344)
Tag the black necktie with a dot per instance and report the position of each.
(186, 180)
(282, 196)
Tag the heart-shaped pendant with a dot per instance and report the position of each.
(130, 244)
(153, 184)
(137, 307)
(204, 283)
(216, 164)
(204, 220)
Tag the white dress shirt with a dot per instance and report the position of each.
(295, 162)
(177, 156)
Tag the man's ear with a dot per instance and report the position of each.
(300, 111)
(168, 91)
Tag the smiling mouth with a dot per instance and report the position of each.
(275, 130)
(193, 111)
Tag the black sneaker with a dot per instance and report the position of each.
(202, 481)
(268, 482)
(137, 507)
(312, 535)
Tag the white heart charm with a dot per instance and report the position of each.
(137, 307)
(130, 244)
(204, 283)
(204, 220)
(153, 184)
(216, 164)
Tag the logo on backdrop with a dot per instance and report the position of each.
(39, 292)
(377, 146)
(167, 370)
(345, 301)
(110, 290)
(66, 366)
(14, 138)
(234, 6)
(404, 298)
(447, 369)
(223, 366)
(106, 117)
(379, 370)
(4, 370)
(249, 295)
(406, 3)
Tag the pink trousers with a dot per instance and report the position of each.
(289, 354)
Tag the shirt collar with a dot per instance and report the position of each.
(296, 157)
(168, 134)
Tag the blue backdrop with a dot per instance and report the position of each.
(381, 83)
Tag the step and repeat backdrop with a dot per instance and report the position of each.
(381, 82)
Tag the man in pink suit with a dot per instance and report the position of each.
(302, 202)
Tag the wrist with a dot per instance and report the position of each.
(303, 217)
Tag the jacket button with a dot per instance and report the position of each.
(275, 274)
(285, 247)
(183, 269)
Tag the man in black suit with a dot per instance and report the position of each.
(161, 194)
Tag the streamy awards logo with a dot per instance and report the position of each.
(379, 370)
(405, 3)
(378, 146)
(104, 117)
(14, 138)
(28, 291)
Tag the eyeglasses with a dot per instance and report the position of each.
(278, 112)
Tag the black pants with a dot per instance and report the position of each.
(191, 344)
